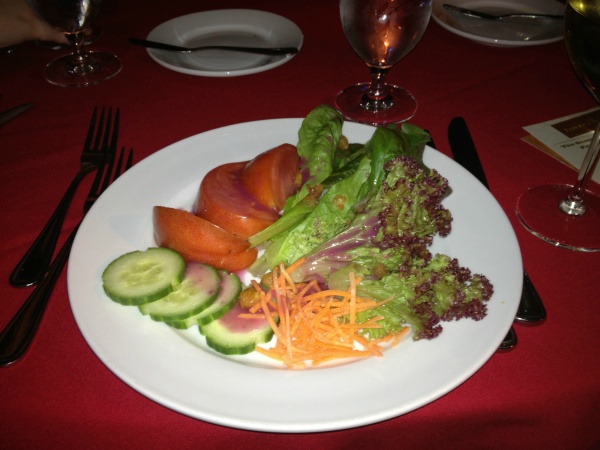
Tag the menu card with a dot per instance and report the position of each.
(567, 138)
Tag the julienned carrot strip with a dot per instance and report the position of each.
(252, 316)
(317, 325)
(295, 265)
(352, 298)
(267, 312)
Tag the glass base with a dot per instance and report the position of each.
(538, 210)
(96, 67)
(403, 107)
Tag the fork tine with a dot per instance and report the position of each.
(90, 134)
(99, 129)
(112, 149)
(109, 121)
(110, 157)
(108, 151)
(115, 132)
(120, 164)
(128, 163)
(99, 173)
(109, 176)
(129, 160)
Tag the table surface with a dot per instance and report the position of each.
(543, 394)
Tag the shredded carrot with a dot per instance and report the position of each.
(314, 325)
(295, 265)
(251, 316)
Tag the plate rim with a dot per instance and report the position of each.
(120, 368)
(156, 54)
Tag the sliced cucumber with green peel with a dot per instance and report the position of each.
(232, 335)
(230, 288)
(141, 277)
(194, 294)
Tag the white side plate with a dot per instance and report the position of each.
(514, 32)
(236, 27)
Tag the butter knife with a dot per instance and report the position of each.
(531, 309)
(14, 112)
(177, 48)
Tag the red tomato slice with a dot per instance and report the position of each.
(224, 201)
(270, 176)
(196, 239)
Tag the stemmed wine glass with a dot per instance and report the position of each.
(564, 215)
(81, 67)
(381, 32)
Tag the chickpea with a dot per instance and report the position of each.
(249, 297)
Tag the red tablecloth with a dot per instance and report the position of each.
(543, 394)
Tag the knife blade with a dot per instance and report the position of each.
(14, 112)
(531, 309)
(463, 149)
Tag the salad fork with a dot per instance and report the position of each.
(34, 264)
(18, 334)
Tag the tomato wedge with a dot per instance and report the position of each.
(224, 201)
(196, 239)
(270, 177)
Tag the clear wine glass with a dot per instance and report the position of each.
(381, 32)
(81, 67)
(569, 215)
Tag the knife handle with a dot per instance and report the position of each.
(509, 342)
(531, 308)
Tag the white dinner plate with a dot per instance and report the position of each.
(176, 369)
(514, 32)
(236, 27)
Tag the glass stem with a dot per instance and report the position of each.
(76, 40)
(574, 203)
(377, 97)
(81, 63)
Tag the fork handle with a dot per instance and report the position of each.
(35, 262)
(19, 332)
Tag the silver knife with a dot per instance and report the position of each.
(531, 309)
(14, 112)
(177, 48)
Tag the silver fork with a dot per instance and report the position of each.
(18, 334)
(488, 16)
(35, 262)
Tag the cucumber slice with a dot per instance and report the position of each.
(140, 277)
(197, 291)
(231, 335)
(230, 288)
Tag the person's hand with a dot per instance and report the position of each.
(18, 23)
